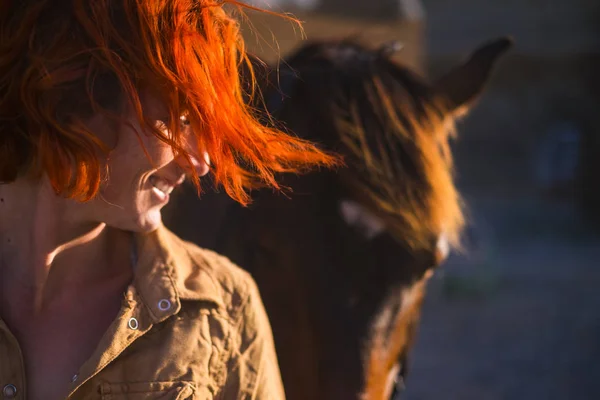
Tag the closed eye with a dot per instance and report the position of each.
(357, 216)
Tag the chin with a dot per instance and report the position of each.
(147, 222)
(152, 221)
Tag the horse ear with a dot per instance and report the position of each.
(463, 84)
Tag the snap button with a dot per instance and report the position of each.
(133, 324)
(164, 305)
(9, 391)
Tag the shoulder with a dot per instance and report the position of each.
(238, 324)
(202, 274)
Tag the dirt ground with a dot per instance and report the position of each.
(518, 316)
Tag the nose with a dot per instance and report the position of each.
(201, 167)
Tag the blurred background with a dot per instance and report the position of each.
(518, 315)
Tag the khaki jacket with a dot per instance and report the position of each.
(192, 326)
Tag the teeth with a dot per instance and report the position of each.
(161, 185)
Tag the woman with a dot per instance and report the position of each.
(105, 107)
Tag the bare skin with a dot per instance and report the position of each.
(48, 294)
(65, 265)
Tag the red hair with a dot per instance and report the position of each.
(63, 61)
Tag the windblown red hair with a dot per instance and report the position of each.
(61, 61)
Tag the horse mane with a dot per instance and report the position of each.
(391, 128)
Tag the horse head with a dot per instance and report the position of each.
(342, 258)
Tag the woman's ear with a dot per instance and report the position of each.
(463, 84)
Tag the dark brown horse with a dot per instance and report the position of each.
(343, 258)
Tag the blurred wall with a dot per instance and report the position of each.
(374, 22)
(544, 94)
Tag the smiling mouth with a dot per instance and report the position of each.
(162, 185)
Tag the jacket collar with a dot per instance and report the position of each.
(168, 270)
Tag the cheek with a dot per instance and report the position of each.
(125, 169)
(141, 147)
(152, 151)
(134, 155)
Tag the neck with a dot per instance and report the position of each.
(47, 254)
